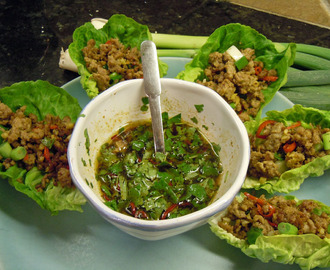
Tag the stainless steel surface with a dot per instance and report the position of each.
(152, 87)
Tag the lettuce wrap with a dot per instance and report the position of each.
(128, 31)
(292, 179)
(243, 37)
(41, 98)
(306, 250)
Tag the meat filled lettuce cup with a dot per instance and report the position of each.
(243, 66)
(287, 147)
(36, 121)
(282, 229)
(111, 54)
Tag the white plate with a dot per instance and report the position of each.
(30, 238)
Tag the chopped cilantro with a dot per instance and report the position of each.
(199, 108)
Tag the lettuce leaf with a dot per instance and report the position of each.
(243, 37)
(291, 180)
(308, 250)
(127, 30)
(41, 98)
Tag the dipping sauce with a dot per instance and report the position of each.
(136, 181)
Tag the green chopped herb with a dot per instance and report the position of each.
(194, 120)
(287, 228)
(253, 234)
(48, 142)
(83, 162)
(145, 100)
(199, 108)
(87, 142)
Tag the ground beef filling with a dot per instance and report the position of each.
(112, 62)
(307, 217)
(241, 89)
(46, 143)
(284, 148)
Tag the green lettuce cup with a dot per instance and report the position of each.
(243, 37)
(41, 98)
(130, 33)
(306, 250)
(291, 179)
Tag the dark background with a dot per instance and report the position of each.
(32, 33)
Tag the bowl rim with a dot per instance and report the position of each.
(159, 225)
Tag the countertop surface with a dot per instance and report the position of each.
(33, 32)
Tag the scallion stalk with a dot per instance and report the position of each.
(287, 228)
(170, 41)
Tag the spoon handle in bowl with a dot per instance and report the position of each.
(152, 88)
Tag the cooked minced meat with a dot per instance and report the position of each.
(46, 143)
(283, 148)
(112, 62)
(307, 216)
(241, 89)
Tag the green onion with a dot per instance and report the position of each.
(253, 234)
(326, 140)
(287, 228)
(309, 96)
(311, 61)
(312, 49)
(178, 41)
(189, 53)
(307, 77)
(18, 153)
(5, 150)
(240, 59)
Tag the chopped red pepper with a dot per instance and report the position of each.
(106, 197)
(270, 213)
(133, 208)
(141, 214)
(53, 127)
(185, 204)
(289, 147)
(297, 124)
(26, 158)
(253, 198)
(261, 202)
(257, 70)
(261, 128)
(270, 78)
(47, 154)
(272, 224)
(168, 210)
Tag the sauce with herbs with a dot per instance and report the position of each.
(136, 181)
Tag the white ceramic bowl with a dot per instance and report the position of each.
(120, 104)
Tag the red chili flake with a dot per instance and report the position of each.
(261, 128)
(272, 224)
(297, 124)
(53, 127)
(133, 208)
(141, 214)
(257, 70)
(26, 158)
(168, 210)
(47, 154)
(289, 147)
(270, 78)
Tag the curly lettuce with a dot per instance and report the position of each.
(292, 179)
(306, 250)
(41, 98)
(279, 58)
(127, 30)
